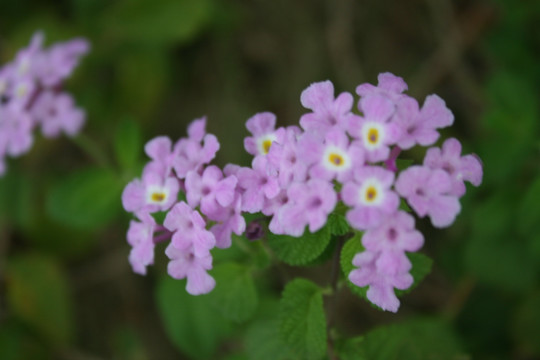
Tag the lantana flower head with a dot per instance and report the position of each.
(31, 96)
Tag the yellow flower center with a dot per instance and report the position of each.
(373, 136)
(336, 159)
(158, 197)
(266, 145)
(371, 194)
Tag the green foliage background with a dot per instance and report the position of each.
(66, 289)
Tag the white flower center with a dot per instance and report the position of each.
(156, 195)
(264, 142)
(373, 135)
(22, 90)
(371, 192)
(336, 159)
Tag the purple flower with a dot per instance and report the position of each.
(396, 233)
(26, 59)
(191, 155)
(153, 193)
(284, 158)
(258, 185)
(335, 158)
(59, 61)
(140, 237)
(328, 113)
(228, 220)
(375, 130)
(15, 132)
(381, 284)
(159, 149)
(261, 126)
(419, 126)
(189, 230)
(210, 189)
(390, 86)
(460, 168)
(428, 192)
(370, 196)
(185, 264)
(57, 113)
(310, 204)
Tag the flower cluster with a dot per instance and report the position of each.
(297, 177)
(299, 174)
(194, 195)
(31, 95)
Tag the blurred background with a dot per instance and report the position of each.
(66, 288)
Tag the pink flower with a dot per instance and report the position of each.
(153, 193)
(381, 284)
(419, 126)
(309, 204)
(428, 192)
(57, 113)
(460, 168)
(185, 264)
(370, 196)
(189, 229)
(140, 237)
(390, 86)
(258, 185)
(284, 158)
(328, 113)
(190, 153)
(375, 130)
(336, 157)
(228, 220)
(261, 126)
(210, 189)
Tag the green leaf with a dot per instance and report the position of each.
(235, 294)
(526, 326)
(529, 209)
(157, 23)
(128, 146)
(338, 224)
(37, 293)
(263, 342)
(302, 319)
(351, 349)
(299, 250)
(191, 323)
(17, 198)
(87, 199)
(17, 343)
(413, 340)
(494, 254)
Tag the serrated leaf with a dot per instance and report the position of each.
(338, 224)
(37, 292)
(263, 342)
(128, 146)
(413, 340)
(235, 295)
(301, 250)
(87, 199)
(191, 323)
(302, 319)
